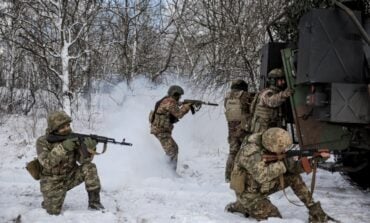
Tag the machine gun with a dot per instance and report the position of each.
(197, 104)
(85, 152)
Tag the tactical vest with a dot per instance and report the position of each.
(162, 120)
(263, 116)
(235, 110)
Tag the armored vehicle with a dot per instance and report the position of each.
(324, 49)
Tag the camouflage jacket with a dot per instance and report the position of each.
(271, 97)
(55, 160)
(259, 176)
(266, 113)
(168, 112)
(237, 105)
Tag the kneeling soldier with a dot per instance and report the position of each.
(253, 179)
(63, 167)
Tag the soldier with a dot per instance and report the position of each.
(253, 179)
(63, 168)
(266, 109)
(237, 103)
(167, 112)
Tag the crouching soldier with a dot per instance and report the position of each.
(62, 166)
(253, 179)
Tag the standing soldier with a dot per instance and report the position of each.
(266, 108)
(237, 103)
(60, 170)
(253, 178)
(168, 111)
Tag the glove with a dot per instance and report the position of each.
(187, 106)
(293, 166)
(69, 144)
(321, 156)
(289, 163)
(287, 93)
(90, 143)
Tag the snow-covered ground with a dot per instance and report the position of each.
(137, 182)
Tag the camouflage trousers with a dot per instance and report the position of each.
(169, 146)
(54, 188)
(234, 146)
(258, 206)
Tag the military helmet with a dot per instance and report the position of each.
(276, 140)
(276, 73)
(56, 120)
(239, 85)
(175, 89)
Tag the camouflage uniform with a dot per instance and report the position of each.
(166, 114)
(61, 172)
(267, 112)
(254, 180)
(237, 103)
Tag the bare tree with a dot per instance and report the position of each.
(60, 47)
(50, 30)
(220, 40)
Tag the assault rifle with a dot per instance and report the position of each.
(302, 154)
(292, 153)
(52, 138)
(197, 104)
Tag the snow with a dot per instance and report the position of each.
(137, 183)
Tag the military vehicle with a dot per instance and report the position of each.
(324, 49)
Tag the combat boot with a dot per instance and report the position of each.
(236, 207)
(94, 200)
(317, 214)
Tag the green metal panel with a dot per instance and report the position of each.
(311, 133)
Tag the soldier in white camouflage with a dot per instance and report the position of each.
(266, 109)
(166, 113)
(237, 106)
(253, 179)
(63, 167)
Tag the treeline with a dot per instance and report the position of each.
(53, 51)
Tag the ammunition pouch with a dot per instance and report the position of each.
(266, 187)
(164, 121)
(237, 180)
(34, 168)
(264, 118)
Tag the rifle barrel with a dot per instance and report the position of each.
(212, 104)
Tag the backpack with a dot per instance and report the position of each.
(234, 110)
(233, 107)
(152, 113)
